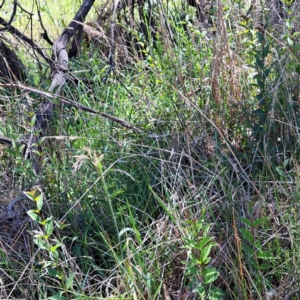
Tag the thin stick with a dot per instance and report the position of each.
(71, 103)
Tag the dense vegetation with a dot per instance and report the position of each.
(202, 201)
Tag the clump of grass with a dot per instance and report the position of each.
(203, 204)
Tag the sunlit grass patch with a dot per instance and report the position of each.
(56, 15)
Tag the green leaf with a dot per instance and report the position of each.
(39, 201)
(189, 222)
(206, 229)
(290, 41)
(125, 230)
(35, 217)
(117, 192)
(260, 221)
(257, 245)
(246, 221)
(194, 262)
(247, 235)
(41, 244)
(248, 250)
(52, 272)
(203, 242)
(33, 119)
(266, 50)
(260, 84)
(199, 226)
(216, 294)
(54, 255)
(260, 63)
(260, 37)
(257, 77)
(69, 281)
(60, 225)
(280, 171)
(58, 296)
(192, 270)
(265, 266)
(30, 195)
(49, 227)
(149, 283)
(288, 2)
(265, 254)
(210, 275)
(190, 244)
(267, 72)
(162, 204)
(200, 289)
(53, 248)
(286, 162)
(205, 252)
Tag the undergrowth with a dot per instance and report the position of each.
(203, 204)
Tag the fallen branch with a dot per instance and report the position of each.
(69, 102)
(59, 67)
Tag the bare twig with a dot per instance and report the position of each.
(7, 25)
(44, 35)
(26, 39)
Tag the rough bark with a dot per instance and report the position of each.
(60, 54)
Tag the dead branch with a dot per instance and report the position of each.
(26, 39)
(60, 53)
(5, 140)
(69, 102)
(60, 57)
(11, 17)
(60, 67)
(44, 35)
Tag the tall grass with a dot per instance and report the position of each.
(203, 204)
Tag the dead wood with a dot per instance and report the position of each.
(42, 123)
(14, 31)
(11, 68)
(61, 59)
(5, 140)
(60, 54)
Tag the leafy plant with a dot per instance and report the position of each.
(198, 244)
(263, 71)
(47, 243)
